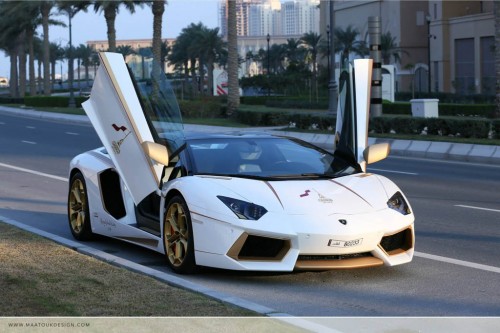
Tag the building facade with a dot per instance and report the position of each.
(452, 41)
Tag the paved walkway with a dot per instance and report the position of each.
(415, 148)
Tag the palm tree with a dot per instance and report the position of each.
(110, 8)
(390, 48)
(57, 53)
(86, 53)
(125, 50)
(210, 44)
(293, 51)
(345, 42)
(144, 52)
(158, 8)
(233, 98)
(311, 41)
(45, 8)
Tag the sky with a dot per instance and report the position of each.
(92, 26)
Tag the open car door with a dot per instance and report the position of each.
(137, 119)
(351, 130)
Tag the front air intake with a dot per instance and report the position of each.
(258, 248)
(398, 242)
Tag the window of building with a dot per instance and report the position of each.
(488, 65)
(464, 66)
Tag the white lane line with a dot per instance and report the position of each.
(71, 133)
(458, 262)
(479, 208)
(2, 123)
(30, 127)
(29, 142)
(33, 172)
(394, 171)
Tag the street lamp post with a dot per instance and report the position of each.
(72, 102)
(328, 45)
(332, 85)
(268, 38)
(429, 37)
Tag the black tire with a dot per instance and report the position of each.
(178, 238)
(78, 209)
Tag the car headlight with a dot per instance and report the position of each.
(399, 204)
(244, 210)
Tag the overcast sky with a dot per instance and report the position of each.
(91, 26)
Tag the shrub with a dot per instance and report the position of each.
(467, 127)
(52, 101)
(204, 108)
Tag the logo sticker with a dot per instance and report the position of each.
(344, 222)
(305, 194)
(116, 145)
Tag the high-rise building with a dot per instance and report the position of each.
(262, 17)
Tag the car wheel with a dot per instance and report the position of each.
(78, 209)
(178, 237)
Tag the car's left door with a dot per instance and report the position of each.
(128, 119)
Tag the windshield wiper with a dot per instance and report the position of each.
(320, 175)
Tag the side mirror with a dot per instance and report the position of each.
(156, 152)
(376, 152)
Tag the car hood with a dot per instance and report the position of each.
(355, 194)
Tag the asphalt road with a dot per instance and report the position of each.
(456, 270)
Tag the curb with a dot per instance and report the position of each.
(171, 279)
(485, 154)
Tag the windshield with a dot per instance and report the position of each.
(265, 158)
(158, 101)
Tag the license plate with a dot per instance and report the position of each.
(341, 243)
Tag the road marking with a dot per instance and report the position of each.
(479, 208)
(71, 133)
(2, 123)
(29, 142)
(458, 262)
(394, 171)
(33, 172)
(30, 127)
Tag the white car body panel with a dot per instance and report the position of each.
(338, 218)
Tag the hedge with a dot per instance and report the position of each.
(466, 127)
(11, 100)
(207, 108)
(445, 109)
(52, 101)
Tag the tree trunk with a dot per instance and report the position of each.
(110, 16)
(31, 52)
(13, 73)
(22, 64)
(39, 87)
(158, 9)
(210, 77)
(496, 10)
(233, 97)
(45, 9)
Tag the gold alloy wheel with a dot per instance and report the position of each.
(176, 234)
(77, 206)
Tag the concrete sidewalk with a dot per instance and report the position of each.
(413, 148)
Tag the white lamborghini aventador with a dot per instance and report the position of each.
(241, 202)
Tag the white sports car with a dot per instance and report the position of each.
(242, 202)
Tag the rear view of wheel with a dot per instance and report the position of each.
(178, 237)
(78, 208)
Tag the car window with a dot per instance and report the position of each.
(265, 158)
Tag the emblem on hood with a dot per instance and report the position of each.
(305, 194)
(344, 222)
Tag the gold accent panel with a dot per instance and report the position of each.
(338, 264)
